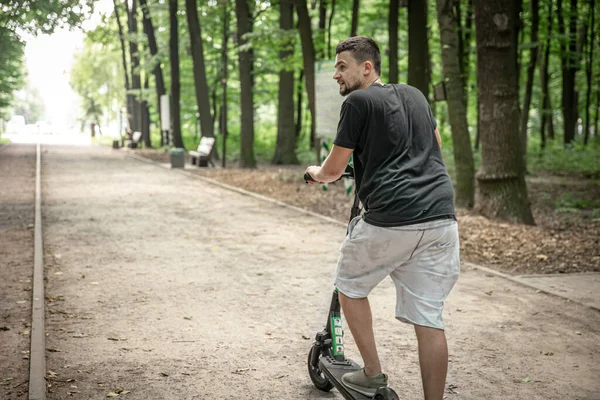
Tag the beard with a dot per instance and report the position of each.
(346, 89)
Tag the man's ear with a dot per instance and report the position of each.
(367, 67)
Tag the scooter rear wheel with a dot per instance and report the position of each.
(385, 393)
(314, 371)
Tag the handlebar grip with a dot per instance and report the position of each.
(308, 178)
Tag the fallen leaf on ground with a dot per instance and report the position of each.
(526, 380)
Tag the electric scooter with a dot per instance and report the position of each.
(326, 360)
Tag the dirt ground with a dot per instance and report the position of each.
(17, 197)
(161, 286)
(565, 239)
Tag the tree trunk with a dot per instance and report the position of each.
(129, 97)
(597, 117)
(418, 46)
(329, 55)
(568, 62)
(157, 70)
(393, 39)
(308, 57)
(457, 112)
(145, 118)
(299, 107)
(502, 191)
(224, 63)
(285, 149)
(136, 82)
(535, 17)
(547, 120)
(354, 22)
(175, 85)
(588, 73)
(246, 63)
(465, 50)
(322, 25)
(200, 81)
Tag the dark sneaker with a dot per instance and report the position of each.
(363, 384)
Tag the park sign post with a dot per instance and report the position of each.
(165, 119)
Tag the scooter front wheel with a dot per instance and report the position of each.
(314, 371)
(385, 393)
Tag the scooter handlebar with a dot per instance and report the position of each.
(309, 178)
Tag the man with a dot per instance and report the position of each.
(408, 229)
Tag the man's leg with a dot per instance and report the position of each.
(433, 358)
(358, 316)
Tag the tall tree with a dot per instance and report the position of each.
(394, 5)
(157, 70)
(502, 191)
(331, 14)
(588, 73)
(285, 148)
(457, 111)
(569, 68)
(465, 35)
(224, 64)
(129, 96)
(134, 57)
(322, 26)
(418, 47)
(175, 84)
(200, 81)
(547, 120)
(246, 63)
(354, 21)
(535, 17)
(308, 57)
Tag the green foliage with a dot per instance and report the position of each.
(34, 17)
(29, 104)
(11, 68)
(557, 158)
(97, 77)
(570, 200)
(43, 16)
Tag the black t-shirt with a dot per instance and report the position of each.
(400, 176)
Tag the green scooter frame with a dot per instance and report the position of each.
(326, 360)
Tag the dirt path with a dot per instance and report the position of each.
(170, 288)
(17, 196)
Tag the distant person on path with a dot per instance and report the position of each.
(408, 229)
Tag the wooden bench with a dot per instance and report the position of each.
(201, 156)
(135, 140)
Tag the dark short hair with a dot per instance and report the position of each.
(362, 48)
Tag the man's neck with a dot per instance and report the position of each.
(373, 81)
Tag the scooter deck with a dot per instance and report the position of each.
(334, 370)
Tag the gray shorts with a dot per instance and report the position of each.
(423, 260)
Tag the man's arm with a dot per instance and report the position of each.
(438, 138)
(333, 167)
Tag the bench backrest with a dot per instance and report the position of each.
(205, 146)
(137, 135)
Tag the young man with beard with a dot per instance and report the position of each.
(408, 229)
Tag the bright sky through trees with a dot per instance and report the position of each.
(49, 59)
